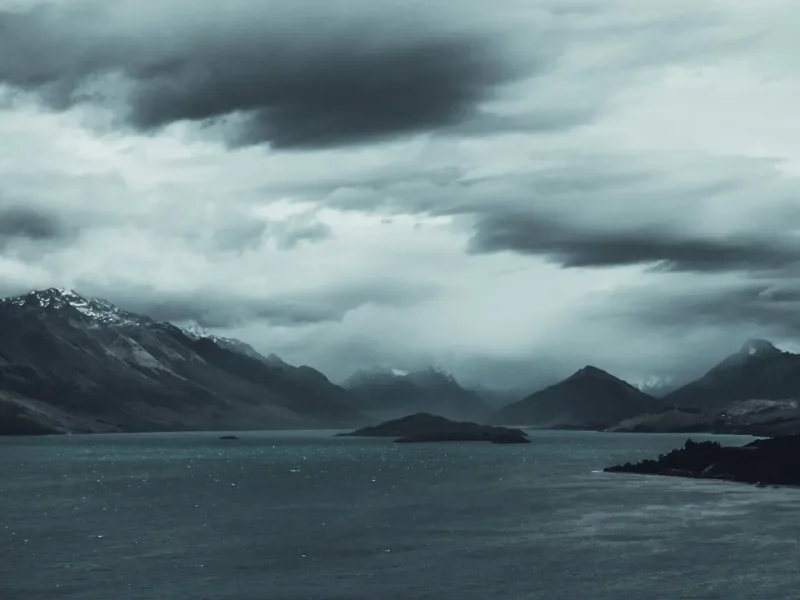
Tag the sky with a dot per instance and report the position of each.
(509, 190)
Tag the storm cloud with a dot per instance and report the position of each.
(295, 77)
(767, 306)
(30, 224)
(577, 210)
(696, 215)
(575, 246)
(510, 190)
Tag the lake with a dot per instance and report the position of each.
(305, 515)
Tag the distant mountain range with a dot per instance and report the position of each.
(753, 391)
(75, 364)
(390, 393)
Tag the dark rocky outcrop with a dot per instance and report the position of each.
(424, 427)
(772, 461)
(589, 399)
(228, 437)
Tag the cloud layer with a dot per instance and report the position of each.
(509, 190)
(295, 76)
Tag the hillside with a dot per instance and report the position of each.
(590, 399)
(758, 370)
(74, 364)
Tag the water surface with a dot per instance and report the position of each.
(305, 515)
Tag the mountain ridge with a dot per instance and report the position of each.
(758, 370)
(70, 363)
(74, 363)
(388, 393)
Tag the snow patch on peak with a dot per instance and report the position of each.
(653, 382)
(50, 297)
(442, 372)
(196, 332)
(398, 372)
(97, 310)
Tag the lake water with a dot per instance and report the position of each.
(304, 515)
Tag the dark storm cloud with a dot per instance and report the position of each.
(32, 224)
(579, 246)
(686, 214)
(220, 310)
(771, 307)
(700, 215)
(292, 77)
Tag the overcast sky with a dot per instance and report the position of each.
(507, 189)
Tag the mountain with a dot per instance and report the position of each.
(391, 393)
(659, 387)
(745, 417)
(590, 399)
(69, 363)
(758, 370)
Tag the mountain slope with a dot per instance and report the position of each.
(388, 394)
(68, 363)
(590, 398)
(758, 370)
(745, 417)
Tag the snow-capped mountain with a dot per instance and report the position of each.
(390, 392)
(71, 363)
(96, 310)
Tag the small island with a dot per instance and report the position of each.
(770, 461)
(424, 427)
(228, 437)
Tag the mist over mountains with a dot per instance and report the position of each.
(391, 393)
(74, 364)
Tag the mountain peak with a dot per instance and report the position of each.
(758, 346)
(58, 299)
(589, 398)
(591, 371)
(51, 297)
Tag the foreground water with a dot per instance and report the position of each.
(308, 516)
